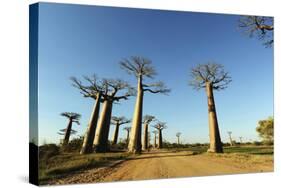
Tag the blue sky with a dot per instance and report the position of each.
(82, 40)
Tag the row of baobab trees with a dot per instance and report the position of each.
(210, 76)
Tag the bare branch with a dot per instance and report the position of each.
(258, 26)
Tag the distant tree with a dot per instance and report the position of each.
(140, 67)
(230, 138)
(127, 129)
(155, 138)
(160, 126)
(72, 118)
(258, 26)
(118, 121)
(211, 76)
(266, 129)
(178, 136)
(147, 119)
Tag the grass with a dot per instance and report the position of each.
(62, 164)
(254, 150)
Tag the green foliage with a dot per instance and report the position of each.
(74, 145)
(48, 150)
(266, 130)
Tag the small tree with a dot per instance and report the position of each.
(155, 138)
(258, 26)
(178, 136)
(266, 130)
(118, 121)
(72, 118)
(147, 119)
(230, 138)
(160, 126)
(141, 68)
(211, 76)
(127, 129)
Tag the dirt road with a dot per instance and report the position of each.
(157, 165)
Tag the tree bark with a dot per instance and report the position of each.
(135, 138)
(145, 137)
(160, 139)
(178, 140)
(115, 136)
(101, 138)
(67, 133)
(215, 140)
(87, 146)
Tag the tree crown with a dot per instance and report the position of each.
(209, 73)
(141, 68)
(160, 125)
(107, 88)
(258, 26)
(266, 129)
(148, 119)
(119, 120)
(75, 117)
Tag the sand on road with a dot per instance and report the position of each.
(157, 165)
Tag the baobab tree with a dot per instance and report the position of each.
(155, 138)
(141, 68)
(127, 129)
(258, 26)
(72, 118)
(241, 139)
(147, 119)
(112, 88)
(178, 136)
(118, 121)
(160, 126)
(93, 89)
(211, 76)
(230, 138)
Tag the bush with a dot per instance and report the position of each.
(74, 145)
(48, 150)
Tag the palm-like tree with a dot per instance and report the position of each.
(118, 121)
(160, 126)
(72, 118)
(178, 136)
(127, 129)
(147, 119)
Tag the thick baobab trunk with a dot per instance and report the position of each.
(67, 133)
(135, 138)
(178, 140)
(101, 138)
(160, 139)
(87, 146)
(215, 140)
(115, 136)
(145, 137)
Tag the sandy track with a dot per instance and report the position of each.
(156, 165)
